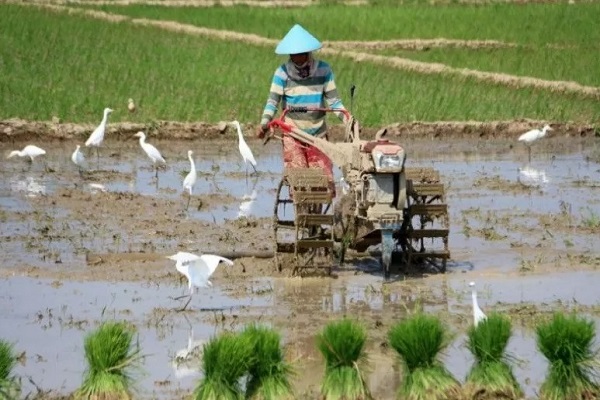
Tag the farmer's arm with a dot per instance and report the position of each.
(331, 94)
(275, 95)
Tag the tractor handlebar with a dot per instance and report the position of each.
(279, 122)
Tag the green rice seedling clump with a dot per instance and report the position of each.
(419, 340)
(491, 373)
(567, 342)
(111, 356)
(10, 386)
(268, 373)
(225, 360)
(342, 345)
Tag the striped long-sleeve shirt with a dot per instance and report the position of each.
(316, 90)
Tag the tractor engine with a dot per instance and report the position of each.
(379, 181)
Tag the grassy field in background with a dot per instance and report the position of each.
(535, 27)
(72, 67)
(531, 24)
(567, 64)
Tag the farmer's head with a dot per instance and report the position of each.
(298, 44)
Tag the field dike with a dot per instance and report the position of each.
(396, 62)
(17, 130)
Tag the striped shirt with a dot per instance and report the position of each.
(316, 90)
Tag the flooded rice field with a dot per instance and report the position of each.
(78, 249)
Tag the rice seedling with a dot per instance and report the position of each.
(567, 342)
(491, 373)
(10, 386)
(225, 360)
(418, 340)
(111, 356)
(268, 373)
(342, 345)
(39, 47)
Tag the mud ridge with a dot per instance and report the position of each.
(17, 130)
(396, 62)
(418, 44)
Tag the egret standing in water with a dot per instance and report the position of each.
(244, 149)
(531, 136)
(97, 136)
(197, 270)
(30, 151)
(478, 314)
(151, 151)
(190, 179)
(78, 158)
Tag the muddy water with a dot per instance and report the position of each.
(77, 250)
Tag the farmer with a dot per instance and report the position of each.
(302, 81)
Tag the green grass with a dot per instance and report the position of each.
(342, 345)
(72, 67)
(9, 385)
(419, 340)
(491, 372)
(567, 342)
(225, 359)
(534, 24)
(111, 356)
(269, 374)
(568, 64)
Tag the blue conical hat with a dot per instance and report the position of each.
(297, 40)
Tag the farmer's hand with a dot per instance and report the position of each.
(261, 131)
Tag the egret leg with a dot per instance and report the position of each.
(186, 304)
(188, 202)
(97, 155)
(529, 151)
(255, 171)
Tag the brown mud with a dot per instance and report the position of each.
(16, 130)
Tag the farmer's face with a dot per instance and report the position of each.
(299, 59)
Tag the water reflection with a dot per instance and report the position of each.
(186, 362)
(29, 185)
(529, 176)
(249, 200)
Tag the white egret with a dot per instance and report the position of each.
(131, 105)
(244, 149)
(190, 179)
(150, 150)
(197, 269)
(97, 136)
(478, 314)
(531, 136)
(78, 158)
(30, 151)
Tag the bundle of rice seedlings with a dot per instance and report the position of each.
(419, 340)
(225, 360)
(269, 374)
(10, 386)
(342, 345)
(111, 356)
(567, 341)
(491, 375)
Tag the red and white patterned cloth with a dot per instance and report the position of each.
(299, 155)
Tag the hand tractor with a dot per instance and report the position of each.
(384, 203)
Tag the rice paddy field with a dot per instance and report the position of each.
(88, 304)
